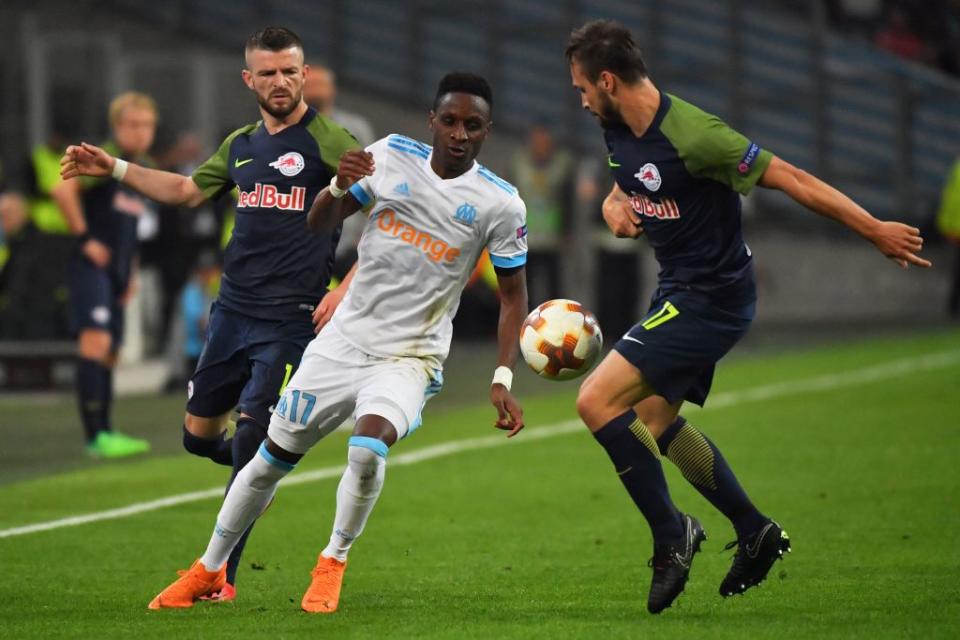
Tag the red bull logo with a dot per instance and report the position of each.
(649, 175)
(267, 196)
(289, 164)
(666, 209)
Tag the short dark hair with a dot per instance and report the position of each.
(274, 39)
(606, 45)
(462, 82)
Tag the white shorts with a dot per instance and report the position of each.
(336, 380)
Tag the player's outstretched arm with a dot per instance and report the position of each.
(161, 186)
(513, 309)
(335, 202)
(619, 215)
(899, 242)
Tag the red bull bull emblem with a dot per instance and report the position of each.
(267, 196)
(649, 175)
(289, 164)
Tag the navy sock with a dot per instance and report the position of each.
(90, 379)
(705, 468)
(106, 397)
(636, 460)
(246, 441)
(217, 449)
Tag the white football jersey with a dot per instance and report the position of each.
(420, 244)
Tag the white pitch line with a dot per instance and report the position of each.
(826, 382)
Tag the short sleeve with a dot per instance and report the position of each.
(711, 149)
(368, 189)
(213, 176)
(507, 243)
(332, 139)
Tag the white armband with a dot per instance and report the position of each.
(120, 168)
(336, 191)
(503, 375)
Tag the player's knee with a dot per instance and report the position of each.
(366, 458)
(589, 403)
(95, 345)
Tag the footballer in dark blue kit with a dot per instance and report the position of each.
(274, 288)
(679, 173)
(104, 214)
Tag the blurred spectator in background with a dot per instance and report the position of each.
(13, 219)
(544, 176)
(189, 333)
(320, 92)
(617, 271)
(181, 235)
(103, 213)
(948, 222)
(899, 36)
(32, 265)
(43, 174)
(860, 17)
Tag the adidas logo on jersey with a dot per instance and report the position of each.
(402, 189)
(267, 196)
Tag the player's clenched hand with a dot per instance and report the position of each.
(510, 414)
(85, 160)
(354, 165)
(324, 311)
(96, 252)
(622, 219)
(901, 243)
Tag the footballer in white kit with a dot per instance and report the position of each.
(432, 212)
(382, 352)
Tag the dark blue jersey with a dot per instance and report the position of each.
(274, 266)
(112, 211)
(684, 177)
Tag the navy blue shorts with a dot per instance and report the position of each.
(245, 364)
(94, 300)
(677, 345)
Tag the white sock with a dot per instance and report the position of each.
(358, 492)
(249, 495)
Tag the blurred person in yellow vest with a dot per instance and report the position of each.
(43, 174)
(948, 223)
(543, 175)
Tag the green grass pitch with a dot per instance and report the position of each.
(852, 448)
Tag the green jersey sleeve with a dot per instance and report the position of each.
(213, 176)
(709, 148)
(332, 139)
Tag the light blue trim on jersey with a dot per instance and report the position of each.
(497, 180)
(399, 139)
(411, 150)
(362, 196)
(272, 459)
(379, 447)
(508, 263)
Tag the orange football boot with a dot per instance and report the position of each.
(189, 587)
(323, 595)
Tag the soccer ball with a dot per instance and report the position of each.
(560, 340)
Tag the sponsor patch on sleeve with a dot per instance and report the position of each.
(749, 157)
(522, 232)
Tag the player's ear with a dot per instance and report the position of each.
(607, 81)
(430, 118)
(247, 78)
